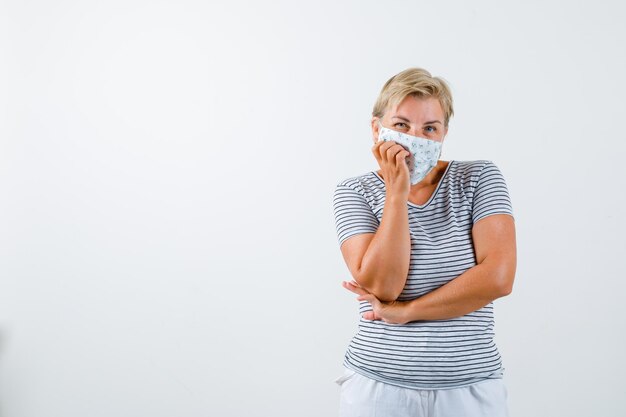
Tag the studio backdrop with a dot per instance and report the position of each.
(167, 240)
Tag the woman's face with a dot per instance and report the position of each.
(414, 116)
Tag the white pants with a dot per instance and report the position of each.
(365, 397)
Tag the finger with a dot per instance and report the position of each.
(402, 158)
(380, 153)
(369, 298)
(393, 151)
(369, 315)
(381, 145)
(376, 150)
(378, 144)
(384, 145)
(355, 289)
(351, 285)
(384, 152)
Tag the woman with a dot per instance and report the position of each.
(430, 244)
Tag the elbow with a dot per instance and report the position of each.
(504, 283)
(501, 275)
(385, 295)
(381, 290)
(505, 290)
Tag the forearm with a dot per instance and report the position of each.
(385, 265)
(470, 291)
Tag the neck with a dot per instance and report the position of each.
(433, 176)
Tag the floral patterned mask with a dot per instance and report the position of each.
(424, 152)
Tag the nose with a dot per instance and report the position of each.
(413, 131)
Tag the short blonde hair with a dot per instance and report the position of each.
(418, 83)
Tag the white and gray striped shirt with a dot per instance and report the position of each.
(439, 353)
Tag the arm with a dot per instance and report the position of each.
(379, 262)
(491, 278)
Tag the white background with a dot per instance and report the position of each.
(167, 243)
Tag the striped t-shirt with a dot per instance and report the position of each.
(427, 354)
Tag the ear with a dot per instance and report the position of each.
(375, 129)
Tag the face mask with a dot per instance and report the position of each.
(424, 152)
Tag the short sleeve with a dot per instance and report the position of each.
(491, 195)
(353, 215)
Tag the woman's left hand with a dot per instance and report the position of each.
(393, 312)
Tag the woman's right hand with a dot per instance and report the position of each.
(392, 158)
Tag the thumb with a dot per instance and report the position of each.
(367, 297)
(370, 315)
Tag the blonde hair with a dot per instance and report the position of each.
(416, 82)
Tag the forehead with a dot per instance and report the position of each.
(417, 108)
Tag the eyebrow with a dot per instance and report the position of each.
(407, 120)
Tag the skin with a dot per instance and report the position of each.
(379, 262)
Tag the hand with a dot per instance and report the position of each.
(393, 312)
(392, 159)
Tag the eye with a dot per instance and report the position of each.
(400, 123)
(434, 129)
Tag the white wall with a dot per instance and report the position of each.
(167, 244)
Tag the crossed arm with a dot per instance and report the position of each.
(491, 278)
